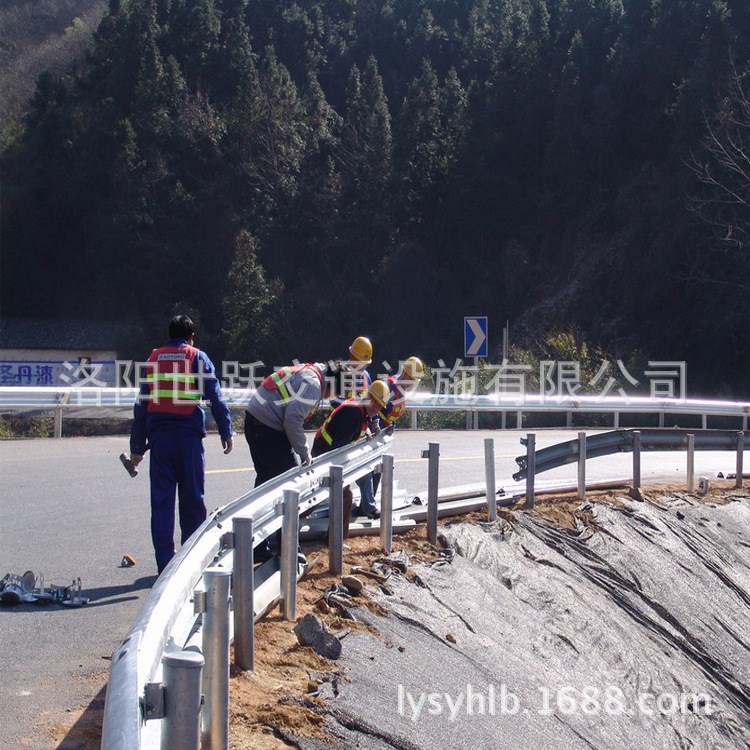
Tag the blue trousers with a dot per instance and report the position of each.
(367, 494)
(177, 464)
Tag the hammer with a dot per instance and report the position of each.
(129, 465)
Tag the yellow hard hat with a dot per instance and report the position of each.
(413, 368)
(361, 349)
(380, 392)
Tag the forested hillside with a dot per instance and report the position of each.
(297, 173)
(37, 35)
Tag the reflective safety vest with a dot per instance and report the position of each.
(277, 381)
(323, 430)
(396, 405)
(172, 384)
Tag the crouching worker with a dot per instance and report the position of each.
(347, 424)
(276, 414)
(274, 425)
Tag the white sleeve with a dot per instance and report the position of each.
(306, 397)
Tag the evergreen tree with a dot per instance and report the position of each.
(251, 307)
(366, 163)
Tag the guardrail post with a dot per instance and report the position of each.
(489, 475)
(704, 421)
(661, 419)
(581, 465)
(617, 420)
(503, 420)
(386, 505)
(519, 420)
(289, 546)
(636, 459)
(568, 419)
(181, 728)
(216, 582)
(336, 520)
(433, 455)
(58, 422)
(744, 422)
(530, 469)
(414, 419)
(243, 593)
(690, 462)
(740, 449)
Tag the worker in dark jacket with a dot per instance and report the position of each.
(168, 419)
(400, 386)
(347, 424)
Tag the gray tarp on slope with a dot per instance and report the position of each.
(656, 602)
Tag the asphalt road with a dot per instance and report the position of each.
(69, 510)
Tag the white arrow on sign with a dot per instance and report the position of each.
(479, 337)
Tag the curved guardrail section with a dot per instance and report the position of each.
(167, 619)
(622, 441)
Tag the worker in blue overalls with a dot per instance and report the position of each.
(168, 419)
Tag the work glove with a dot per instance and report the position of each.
(136, 458)
(227, 445)
(307, 461)
(368, 434)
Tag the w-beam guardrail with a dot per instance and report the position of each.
(620, 441)
(154, 690)
(92, 401)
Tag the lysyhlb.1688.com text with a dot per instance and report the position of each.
(567, 700)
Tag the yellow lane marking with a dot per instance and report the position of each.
(227, 471)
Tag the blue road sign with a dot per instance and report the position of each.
(475, 336)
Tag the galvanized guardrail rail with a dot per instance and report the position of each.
(91, 401)
(178, 646)
(608, 443)
(628, 441)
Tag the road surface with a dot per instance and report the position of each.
(69, 510)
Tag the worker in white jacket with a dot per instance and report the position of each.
(276, 414)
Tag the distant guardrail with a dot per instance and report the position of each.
(621, 441)
(89, 401)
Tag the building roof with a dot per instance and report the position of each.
(22, 333)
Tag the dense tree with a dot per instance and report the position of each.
(301, 171)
